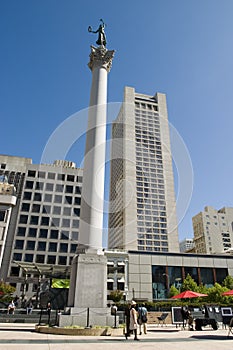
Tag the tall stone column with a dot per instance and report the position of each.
(92, 203)
(88, 287)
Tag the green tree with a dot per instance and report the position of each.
(6, 290)
(215, 294)
(173, 291)
(189, 284)
(228, 282)
(116, 295)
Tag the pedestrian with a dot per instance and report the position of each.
(187, 317)
(133, 319)
(11, 308)
(29, 308)
(127, 321)
(142, 319)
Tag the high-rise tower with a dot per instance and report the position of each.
(142, 199)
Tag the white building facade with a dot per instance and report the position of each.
(213, 230)
(44, 225)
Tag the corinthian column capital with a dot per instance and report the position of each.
(101, 57)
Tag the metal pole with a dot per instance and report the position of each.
(88, 317)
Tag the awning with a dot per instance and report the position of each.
(121, 263)
(110, 280)
(110, 263)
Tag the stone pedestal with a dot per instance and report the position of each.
(88, 281)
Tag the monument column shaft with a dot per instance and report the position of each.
(92, 203)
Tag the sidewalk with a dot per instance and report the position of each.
(23, 337)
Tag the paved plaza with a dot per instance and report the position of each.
(23, 337)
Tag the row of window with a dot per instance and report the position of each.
(45, 233)
(56, 210)
(47, 221)
(53, 176)
(41, 259)
(45, 246)
(37, 197)
(48, 186)
(152, 249)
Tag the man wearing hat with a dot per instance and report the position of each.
(133, 319)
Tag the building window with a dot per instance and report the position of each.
(32, 232)
(2, 215)
(17, 256)
(55, 222)
(34, 220)
(28, 258)
(70, 178)
(15, 271)
(41, 174)
(57, 199)
(19, 244)
(37, 197)
(21, 231)
(73, 248)
(57, 210)
(49, 187)
(51, 259)
(40, 259)
(54, 234)
(39, 186)
(77, 211)
(30, 245)
(64, 235)
(69, 189)
(41, 246)
(62, 260)
(68, 199)
(36, 208)
(23, 219)
(67, 211)
(31, 173)
(48, 198)
(46, 209)
(77, 200)
(75, 223)
(59, 188)
(43, 233)
(61, 177)
(45, 221)
(63, 247)
(65, 222)
(52, 247)
(51, 176)
(74, 236)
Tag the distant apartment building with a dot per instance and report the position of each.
(186, 245)
(142, 212)
(213, 230)
(7, 203)
(44, 225)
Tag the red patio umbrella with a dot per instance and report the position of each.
(230, 292)
(188, 294)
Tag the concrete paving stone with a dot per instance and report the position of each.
(23, 337)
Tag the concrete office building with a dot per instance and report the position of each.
(44, 225)
(213, 230)
(186, 245)
(142, 213)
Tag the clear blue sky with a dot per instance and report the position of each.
(179, 47)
